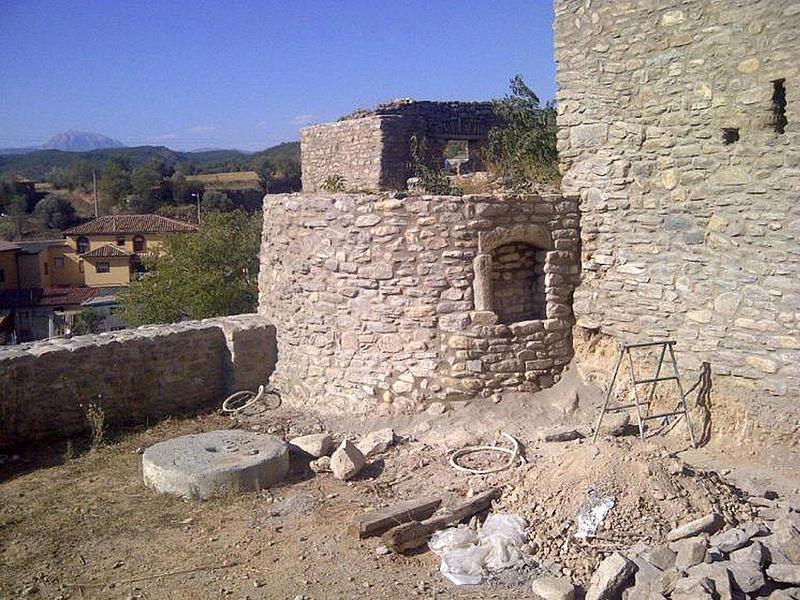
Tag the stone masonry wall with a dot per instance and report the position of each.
(135, 375)
(384, 303)
(683, 235)
(350, 149)
(371, 150)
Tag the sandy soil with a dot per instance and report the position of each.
(79, 524)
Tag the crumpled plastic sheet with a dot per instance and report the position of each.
(591, 513)
(468, 555)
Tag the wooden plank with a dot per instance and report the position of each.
(415, 533)
(376, 522)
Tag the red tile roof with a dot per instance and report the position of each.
(7, 246)
(66, 295)
(131, 224)
(105, 252)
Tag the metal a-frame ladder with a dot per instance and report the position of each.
(643, 408)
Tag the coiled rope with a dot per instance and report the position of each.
(513, 453)
(237, 402)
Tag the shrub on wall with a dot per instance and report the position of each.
(523, 149)
(433, 180)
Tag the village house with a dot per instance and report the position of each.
(45, 284)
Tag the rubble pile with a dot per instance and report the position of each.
(706, 560)
(651, 491)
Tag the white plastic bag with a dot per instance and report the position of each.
(468, 555)
(462, 559)
(503, 535)
(591, 513)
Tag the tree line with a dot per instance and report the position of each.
(157, 184)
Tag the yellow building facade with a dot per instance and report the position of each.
(9, 274)
(108, 251)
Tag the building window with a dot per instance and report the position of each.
(46, 268)
(80, 266)
(730, 135)
(83, 244)
(121, 240)
(2, 275)
(138, 243)
(103, 267)
(779, 120)
(58, 262)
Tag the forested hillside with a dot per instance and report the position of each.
(36, 165)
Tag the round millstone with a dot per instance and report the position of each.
(215, 463)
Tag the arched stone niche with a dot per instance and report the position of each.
(523, 252)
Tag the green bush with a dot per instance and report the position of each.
(334, 183)
(523, 148)
(212, 272)
(433, 180)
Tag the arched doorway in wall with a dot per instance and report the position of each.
(518, 282)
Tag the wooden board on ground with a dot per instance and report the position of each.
(415, 533)
(376, 522)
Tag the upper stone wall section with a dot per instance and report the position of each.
(687, 234)
(371, 150)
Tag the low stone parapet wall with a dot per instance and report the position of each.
(135, 375)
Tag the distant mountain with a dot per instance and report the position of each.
(80, 141)
(214, 149)
(35, 164)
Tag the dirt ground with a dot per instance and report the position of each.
(89, 529)
(80, 524)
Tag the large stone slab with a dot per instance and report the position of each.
(610, 577)
(214, 463)
(708, 524)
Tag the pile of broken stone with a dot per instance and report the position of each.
(348, 459)
(702, 560)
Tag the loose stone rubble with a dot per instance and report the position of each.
(316, 445)
(376, 442)
(346, 461)
(553, 588)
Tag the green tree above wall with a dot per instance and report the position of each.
(523, 149)
(212, 272)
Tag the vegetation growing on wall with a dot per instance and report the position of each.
(431, 179)
(523, 150)
(334, 183)
(213, 272)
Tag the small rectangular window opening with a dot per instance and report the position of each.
(456, 155)
(779, 120)
(730, 135)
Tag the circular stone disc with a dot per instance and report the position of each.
(215, 463)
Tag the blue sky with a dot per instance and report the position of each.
(247, 74)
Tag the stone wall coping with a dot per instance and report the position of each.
(494, 197)
(40, 347)
(320, 127)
